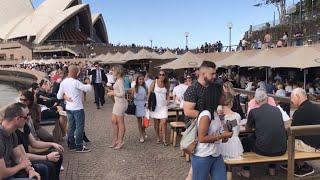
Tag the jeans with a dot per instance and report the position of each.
(75, 127)
(42, 169)
(202, 167)
(53, 168)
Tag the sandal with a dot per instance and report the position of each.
(165, 143)
(158, 142)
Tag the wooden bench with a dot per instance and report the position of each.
(175, 127)
(251, 158)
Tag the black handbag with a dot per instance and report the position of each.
(152, 101)
(131, 110)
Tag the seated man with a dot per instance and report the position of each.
(253, 104)
(307, 113)
(51, 160)
(38, 132)
(13, 162)
(269, 138)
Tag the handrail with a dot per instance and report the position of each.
(294, 131)
(276, 98)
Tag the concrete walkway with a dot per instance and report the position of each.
(136, 161)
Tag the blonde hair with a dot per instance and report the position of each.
(280, 86)
(118, 70)
(229, 87)
(228, 99)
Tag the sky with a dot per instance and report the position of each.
(166, 21)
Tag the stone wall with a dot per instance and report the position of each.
(20, 78)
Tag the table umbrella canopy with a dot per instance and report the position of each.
(115, 59)
(187, 60)
(267, 57)
(302, 57)
(169, 55)
(215, 57)
(236, 58)
(145, 54)
(127, 56)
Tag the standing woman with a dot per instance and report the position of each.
(140, 97)
(119, 108)
(160, 115)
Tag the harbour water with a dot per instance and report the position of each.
(7, 94)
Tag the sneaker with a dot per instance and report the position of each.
(83, 149)
(304, 170)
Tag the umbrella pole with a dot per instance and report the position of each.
(266, 75)
(304, 78)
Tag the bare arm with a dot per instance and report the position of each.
(8, 171)
(203, 136)
(20, 157)
(40, 144)
(189, 109)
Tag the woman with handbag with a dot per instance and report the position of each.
(160, 87)
(119, 108)
(207, 159)
(140, 97)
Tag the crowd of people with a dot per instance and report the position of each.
(269, 42)
(207, 98)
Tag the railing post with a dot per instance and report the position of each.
(291, 150)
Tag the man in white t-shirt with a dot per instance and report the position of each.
(179, 91)
(111, 79)
(72, 90)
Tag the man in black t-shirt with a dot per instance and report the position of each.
(196, 93)
(307, 113)
(13, 162)
(269, 138)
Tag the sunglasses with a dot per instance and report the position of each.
(162, 75)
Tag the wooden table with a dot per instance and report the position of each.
(177, 110)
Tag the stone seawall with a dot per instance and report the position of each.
(19, 78)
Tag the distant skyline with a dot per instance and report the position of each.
(165, 22)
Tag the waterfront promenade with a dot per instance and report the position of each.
(136, 161)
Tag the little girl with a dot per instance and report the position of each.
(232, 149)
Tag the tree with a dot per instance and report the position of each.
(279, 4)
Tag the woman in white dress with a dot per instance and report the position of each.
(160, 115)
(232, 149)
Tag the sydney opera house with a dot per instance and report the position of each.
(54, 22)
